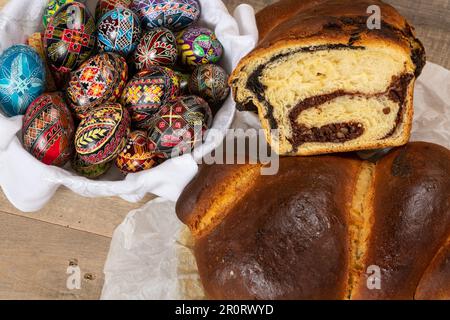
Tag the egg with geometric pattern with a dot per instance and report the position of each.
(118, 31)
(100, 79)
(178, 127)
(48, 130)
(147, 92)
(136, 155)
(22, 79)
(69, 38)
(210, 82)
(174, 15)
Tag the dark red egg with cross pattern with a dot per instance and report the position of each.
(104, 6)
(69, 38)
(180, 126)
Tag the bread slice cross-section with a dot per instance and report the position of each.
(326, 81)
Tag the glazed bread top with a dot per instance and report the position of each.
(313, 230)
(332, 22)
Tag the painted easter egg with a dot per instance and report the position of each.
(22, 79)
(157, 47)
(104, 6)
(36, 42)
(91, 171)
(98, 80)
(210, 82)
(69, 38)
(198, 45)
(102, 134)
(180, 126)
(175, 15)
(184, 74)
(51, 9)
(48, 129)
(147, 92)
(136, 155)
(118, 31)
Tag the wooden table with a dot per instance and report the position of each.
(36, 249)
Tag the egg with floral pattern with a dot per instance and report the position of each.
(118, 31)
(157, 47)
(178, 127)
(48, 129)
(22, 79)
(69, 38)
(210, 82)
(147, 92)
(52, 7)
(197, 46)
(102, 134)
(98, 80)
(175, 15)
(136, 155)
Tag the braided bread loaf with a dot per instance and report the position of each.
(327, 81)
(314, 230)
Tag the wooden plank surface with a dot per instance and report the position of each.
(99, 216)
(34, 257)
(36, 249)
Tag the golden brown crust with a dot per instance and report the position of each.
(435, 284)
(288, 236)
(412, 219)
(330, 21)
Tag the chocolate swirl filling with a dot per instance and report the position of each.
(342, 132)
(335, 132)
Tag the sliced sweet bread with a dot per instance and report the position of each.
(325, 81)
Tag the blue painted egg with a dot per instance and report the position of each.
(119, 31)
(175, 15)
(22, 79)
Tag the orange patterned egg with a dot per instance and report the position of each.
(136, 156)
(98, 80)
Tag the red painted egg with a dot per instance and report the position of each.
(179, 126)
(102, 134)
(104, 6)
(157, 47)
(98, 80)
(48, 129)
(136, 156)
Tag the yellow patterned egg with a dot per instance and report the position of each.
(102, 134)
